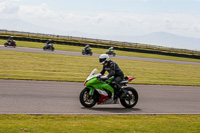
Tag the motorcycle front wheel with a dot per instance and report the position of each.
(44, 48)
(5, 44)
(87, 100)
(131, 99)
(83, 53)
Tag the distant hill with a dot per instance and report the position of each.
(169, 40)
(20, 25)
(160, 39)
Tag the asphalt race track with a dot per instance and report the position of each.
(37, 50)
(49, 97)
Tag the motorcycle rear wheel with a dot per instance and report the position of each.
(87, 100)
(132, 101)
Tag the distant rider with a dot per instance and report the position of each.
(113, 69)
(10, 40)
(49, 43)
(111, 50)
(87, 49)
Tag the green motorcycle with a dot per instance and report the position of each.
(98, 91)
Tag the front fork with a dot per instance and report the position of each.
(91, 91)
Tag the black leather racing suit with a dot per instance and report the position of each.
(113, 70)
(48, 43)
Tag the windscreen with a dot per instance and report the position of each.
(94, 73)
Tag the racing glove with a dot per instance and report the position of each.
(103, 77)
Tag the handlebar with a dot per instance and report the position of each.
(98, 78)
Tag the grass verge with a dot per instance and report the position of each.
(99, 123)
(52, 67)
(99, 50)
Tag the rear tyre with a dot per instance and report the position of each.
(86, 100)
(131, 101)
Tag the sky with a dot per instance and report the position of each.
(108, 17)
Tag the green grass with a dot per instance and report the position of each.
(100, 123)
(52, 67)
(99, 50)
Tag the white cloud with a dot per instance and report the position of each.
(167, 22)
(103, 22)
(106, 23)
(181, 24)
(8, 7)
(37, 12)
(196, 27)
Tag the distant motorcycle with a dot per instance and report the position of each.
(111, 52)
(10, 44)
(48, 47)
(87, 51)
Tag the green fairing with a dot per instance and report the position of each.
(94, 83)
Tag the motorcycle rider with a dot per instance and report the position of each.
(49, 43)
(87, 48)
(10, 40)
(113, 70)
(111, 50)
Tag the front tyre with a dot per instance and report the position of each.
(5, 44)
(87, 100)
(44, 48)
(131, 100)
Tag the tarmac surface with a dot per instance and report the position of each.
(37, 50)
(49, 97)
